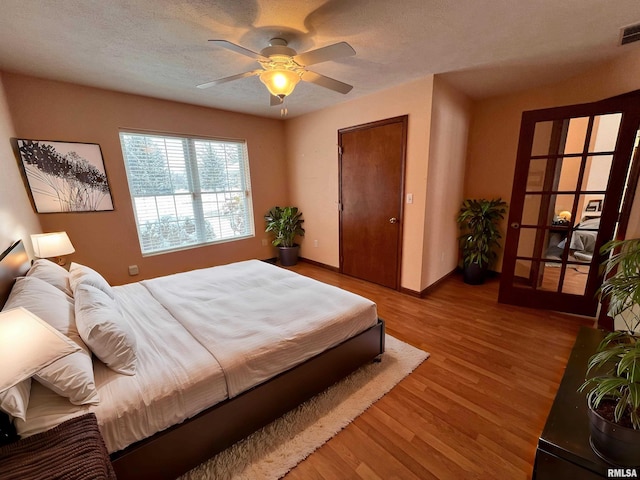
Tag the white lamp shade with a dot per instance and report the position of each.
(55, 244)
(28, 344)
(280, 82)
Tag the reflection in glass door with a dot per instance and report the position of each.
(568, 180)
(565, 191)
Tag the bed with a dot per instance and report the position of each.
(201, 386)
(583, 239)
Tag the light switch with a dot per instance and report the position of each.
(409, 197)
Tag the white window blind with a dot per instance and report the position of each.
(187, 191)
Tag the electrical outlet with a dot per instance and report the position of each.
(133, 270)
(315, 243)
(265, 242)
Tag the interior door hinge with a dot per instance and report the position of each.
(339, 149)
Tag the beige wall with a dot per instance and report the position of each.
(450, 119)
(107, 241)
(493, 138)
(17, 219)
(439, 118)
(312, 158)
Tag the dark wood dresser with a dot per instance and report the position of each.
(563, 448)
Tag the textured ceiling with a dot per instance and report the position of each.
(159, 48)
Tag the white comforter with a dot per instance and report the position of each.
(258, 320)
(204, 336)
(176, 378)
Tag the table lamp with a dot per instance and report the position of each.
(54, 244)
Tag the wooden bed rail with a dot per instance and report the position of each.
(178, 449)
(174, 451)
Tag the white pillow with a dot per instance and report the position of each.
(27, 345)
(83, 275)
(51, 273)
(104, 329)
(15, 400)
(70, 376)
(36, 345)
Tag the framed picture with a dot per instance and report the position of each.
(64, 176)
(594, 206)
(535, 179)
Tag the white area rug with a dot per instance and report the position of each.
(275, 449)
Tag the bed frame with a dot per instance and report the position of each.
(174, 451)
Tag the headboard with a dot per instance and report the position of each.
(14, 262)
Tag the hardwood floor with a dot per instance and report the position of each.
(474, 409)
(575, 279)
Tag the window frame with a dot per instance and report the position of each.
(195, 190)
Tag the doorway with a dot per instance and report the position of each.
(573, 165)
(371, 170)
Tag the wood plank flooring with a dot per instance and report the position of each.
(475, 409)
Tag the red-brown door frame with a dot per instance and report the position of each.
(630, 105)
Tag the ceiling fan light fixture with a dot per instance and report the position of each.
(280, 82)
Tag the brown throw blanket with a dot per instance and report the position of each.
(74, 450)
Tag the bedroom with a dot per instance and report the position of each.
(291, 158)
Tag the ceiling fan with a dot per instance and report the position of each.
(282, 67)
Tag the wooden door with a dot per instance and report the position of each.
(572, 168)
(372, 159)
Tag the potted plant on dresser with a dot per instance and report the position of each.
(613, 372)
(286, 224)
(478, 219)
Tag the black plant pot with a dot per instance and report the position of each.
(474, 274)
(289, 255)
(613, 443)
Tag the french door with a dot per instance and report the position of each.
(572, 169)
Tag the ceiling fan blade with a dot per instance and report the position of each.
(238, 49)
(330, 52)
(326, 82)
(228, 79)
(273, 100)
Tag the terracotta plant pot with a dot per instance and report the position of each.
(613, 443)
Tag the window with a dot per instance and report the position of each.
(187, 191)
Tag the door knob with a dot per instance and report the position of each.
(393, 220)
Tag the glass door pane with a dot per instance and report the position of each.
(565, 192)
(565, 170)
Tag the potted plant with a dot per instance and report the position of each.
(614, 384)
(285, 223)
(478, 219)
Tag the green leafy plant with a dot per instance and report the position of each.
(617, 359)
(478, 219)
(285, 223)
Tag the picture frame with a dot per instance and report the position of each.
(594, 206)
(534, 180)
(64, 177)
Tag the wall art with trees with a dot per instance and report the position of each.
(64, 176)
